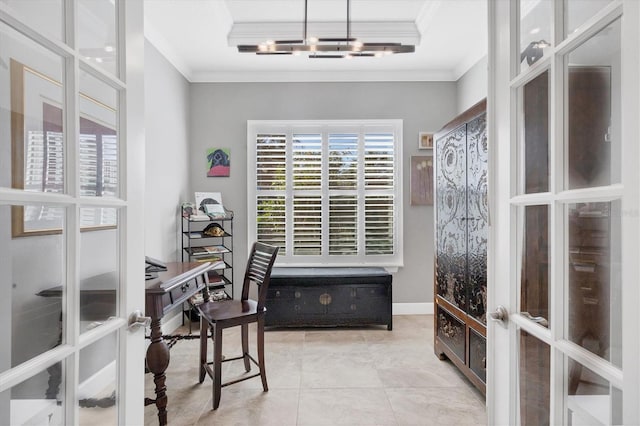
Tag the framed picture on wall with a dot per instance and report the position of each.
(218, 162)
(425, 140)
(422, 180)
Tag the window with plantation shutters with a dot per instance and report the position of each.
(327, 192)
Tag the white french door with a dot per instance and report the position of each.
(563, 117)
(71, 225)
(564, 126)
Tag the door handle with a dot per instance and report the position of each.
(137, 319)
(500, 314)
(538, 320)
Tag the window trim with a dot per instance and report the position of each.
(288, 127)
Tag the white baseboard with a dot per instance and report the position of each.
(172, 323)
(412, 308)
(98, 382)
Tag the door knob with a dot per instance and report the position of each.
(137, 319)
(500, 314)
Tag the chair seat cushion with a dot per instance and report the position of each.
(227, 309)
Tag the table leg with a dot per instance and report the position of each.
(157, 362)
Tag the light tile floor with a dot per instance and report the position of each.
(327, 376)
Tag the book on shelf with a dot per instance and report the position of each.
(216, 249)
(209, 258)
(198, 251)
(215, 278)
(196, 234)
(208, 250)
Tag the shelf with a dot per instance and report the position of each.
(218, 249)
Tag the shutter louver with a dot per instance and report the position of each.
(271, 221)
(307, 161)
(343, 225)
(88, 165)
(379, 161)
(343, 161)
(271, 161)
(379, 225)
(109, 166)
(307, 225)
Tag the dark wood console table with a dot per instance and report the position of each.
(162, 294)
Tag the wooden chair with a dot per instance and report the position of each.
(216, 316)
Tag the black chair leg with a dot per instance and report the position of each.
(263, 374)
(245, 346)
(217, 366)
(204, 326)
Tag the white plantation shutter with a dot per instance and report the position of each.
(379, 160)
(271, 224)
(307, 225)
(343, 161)
(327, 192)
(270, 161)
(307, 161)
(379, 224)
(343, 225)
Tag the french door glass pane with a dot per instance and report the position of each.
(534, 280)
(33, 88)
(590, 398)
(98, 148)
(534, 375)
(97, 39)
(593, 115)
(578, 11)
(97, 384)
(29, 404)
(99, 269)
(535, 30)
(33, 277)
(594, 290)
(535, 135)
(44, 16)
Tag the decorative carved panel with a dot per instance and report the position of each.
(451, 332)
(477, 217)
(451, 217)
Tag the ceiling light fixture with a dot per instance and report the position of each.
(326, 48)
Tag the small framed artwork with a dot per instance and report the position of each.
(218, 162)
(422, 180)
(425, 140)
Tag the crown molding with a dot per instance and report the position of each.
(368, 32)
(159, 42)
(320, 76)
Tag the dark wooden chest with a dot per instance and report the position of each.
(329, 297)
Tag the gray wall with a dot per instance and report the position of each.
(167, 154)
(472, 86)
(219, 114)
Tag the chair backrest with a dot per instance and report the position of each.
(258, 271)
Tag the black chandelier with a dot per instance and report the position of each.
(333, 47)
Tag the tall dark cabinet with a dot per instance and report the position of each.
(461, 227)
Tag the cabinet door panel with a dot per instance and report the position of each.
(477, 217)
(451, 223)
